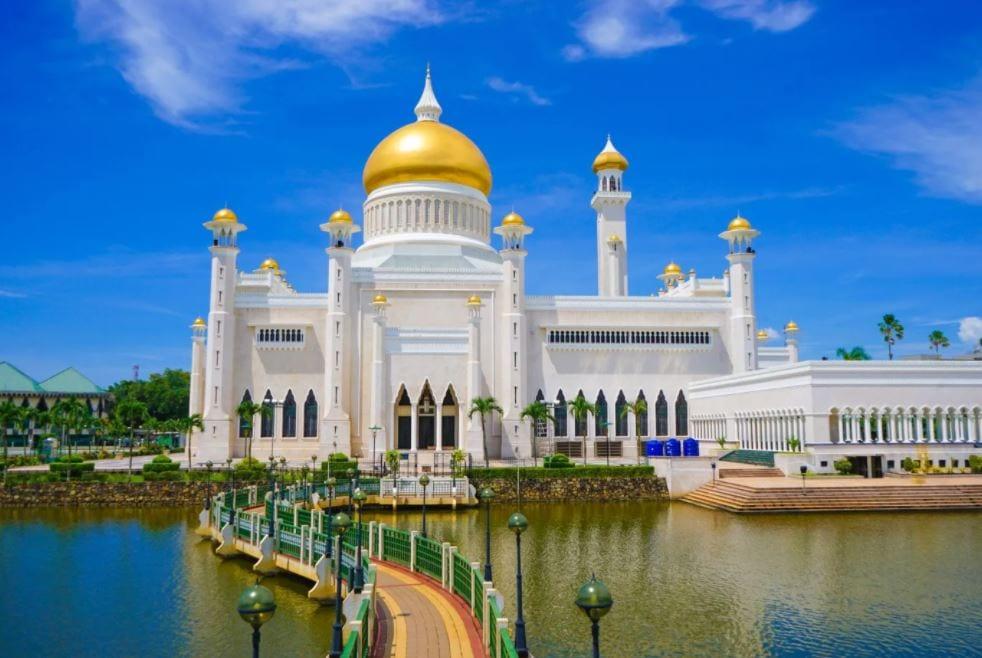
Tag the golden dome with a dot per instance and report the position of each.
(761, 335)
(225, 215)
(614, 238)
(672, 269)
(380, 299)
(473, 300)
(609, 158)
(512, 219)
(270, 264)
(340, 215)
(427, 151)
(738, 223)
(199, 323)
(791, 326)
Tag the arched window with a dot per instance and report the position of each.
(559, 412)
(310, 415)
(603, 183)
(661, 415)
(580, 423)
(266, 417)
(641, 422)
(541, 428)
(681, 416)
(620, 415)
(600, 418)
(289, 415)
(245, 424)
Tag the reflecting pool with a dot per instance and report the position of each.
(685, 581)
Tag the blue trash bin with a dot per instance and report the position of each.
(654, 448)
(673, 448)
(690, 448)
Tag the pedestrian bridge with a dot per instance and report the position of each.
(453, 610)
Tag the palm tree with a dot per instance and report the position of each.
(580, 409)
(938, 340)
(37, 419)
(131, 414)
(247, 411)
(9, 414)
(639, 408)
(486, 407)
(892, 331)
(855, 354)
(187, 426)
(68, 414)
(537, 412)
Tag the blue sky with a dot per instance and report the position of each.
(849, 133)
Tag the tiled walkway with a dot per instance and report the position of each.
(417, 618)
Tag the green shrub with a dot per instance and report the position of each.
(249, 464)
(14, 461)
(975, 463)
(161, 459)
(94, 477)
(161, 464)
(557, 461)
(542, 473)
(907, 464)
(163, 476)
(73, 468)
(842, 466)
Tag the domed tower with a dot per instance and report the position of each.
(610, 201)
(739, 235)
(427, 184)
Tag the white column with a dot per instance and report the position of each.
(378, 399)
(918, 425)
(842, 427)
(853, 426)
(439, 426)
(414, 427)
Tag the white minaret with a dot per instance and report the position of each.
(196, 402)
(791, 340)
(739, 235)
(610, 201)
(335, 429)
(475, 439)
(379, 302)
(513, 396)
(219, 438)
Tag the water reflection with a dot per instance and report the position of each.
(686, 582)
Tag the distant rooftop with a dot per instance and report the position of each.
(68, 381)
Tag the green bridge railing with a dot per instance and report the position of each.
(302, 535)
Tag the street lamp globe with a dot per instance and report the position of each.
(594, 599)
(517, 523)
(256, 605)
(359, 497)
(487, 494)
(341, 523)
(424, 480)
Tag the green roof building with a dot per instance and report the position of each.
(22, 389)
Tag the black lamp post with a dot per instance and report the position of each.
(374, 429)
(341, 524)
(424, 481)
(359, 577)
(330, 483)
(208, 466)
(282, 472)
(595, 601)
(486, 496)
(256, 606)
(712, 465)
(804, 471)
(517, 523)
(272, 482)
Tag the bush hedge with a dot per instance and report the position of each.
(161, 464)
(557, 461)
(542, 473)
(842, 466)
(975, 463)
(72, 467)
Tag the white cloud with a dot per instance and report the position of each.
(518, 88)
(771, 332)
(623, 28)
(11, 294)
(771, 15)
(970, 329)
(937, 137)
(187, 57)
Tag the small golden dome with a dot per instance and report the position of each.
(738, 223)
(225, 215)
(672, 269)
(761, 335)
(380, 299)
(199, 323)
(270, 264)
(512, 219)
(340, 215)
(609, 158)
(791, 327)
(427, 151)
(614, 239)
(473, 300)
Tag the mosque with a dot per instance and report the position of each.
(428, 313)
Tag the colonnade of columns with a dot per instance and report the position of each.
(906, 425)
(709, 426)
(770, 430)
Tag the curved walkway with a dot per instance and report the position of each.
(420, 619)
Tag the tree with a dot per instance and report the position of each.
(855, 354)
(639, 408)
(538, 412)
(187, 425)
(9, 414)
(69, 415)
(131, 414)
(166, 394)
(581, 409)
(247, 411)
(486, 408)
(892, 331)
(938, 340)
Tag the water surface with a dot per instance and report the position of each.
(686, 582)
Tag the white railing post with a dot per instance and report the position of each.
(502, 625)
(488, 592)
(381, 541)
(412, 550)
(372, 538)
(475, 567)
(444, 552)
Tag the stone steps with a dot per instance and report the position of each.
(752, 472)
(734, 497)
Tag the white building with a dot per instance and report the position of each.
(426, 315)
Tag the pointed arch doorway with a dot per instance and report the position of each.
(426, 411)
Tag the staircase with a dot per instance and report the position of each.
(751, 473)
(752, 457)
(732, 496)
